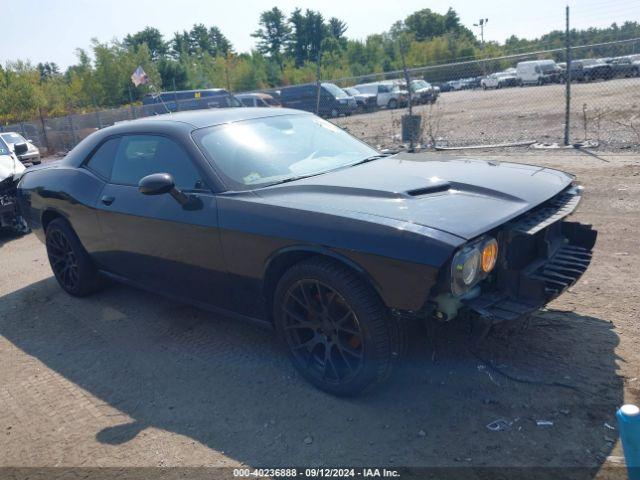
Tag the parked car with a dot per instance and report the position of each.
(257, 100)
(473, 82)
(32, 155)
(423, 92)
(624, 66)
(10, 171)
(589, 69)
(367, 102)
(280, 216)
(191, 100)
(499, 80)
(334, 101)
(388, 93)
(444, 86)
(538, 72)
(456, 84)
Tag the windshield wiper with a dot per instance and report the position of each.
(370, 159)
(300, 177)
(293, 179)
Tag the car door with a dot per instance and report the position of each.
(153, 240)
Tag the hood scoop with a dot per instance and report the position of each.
(437, 186)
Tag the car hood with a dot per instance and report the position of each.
(460, 196)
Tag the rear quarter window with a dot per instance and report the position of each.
(101, 162)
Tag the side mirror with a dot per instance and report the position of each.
(159, 184)
(156, 184)
(20, 148)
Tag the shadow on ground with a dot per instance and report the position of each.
(227, 385)
(7, 235)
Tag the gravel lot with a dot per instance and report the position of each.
(471, 117)
(127, 378)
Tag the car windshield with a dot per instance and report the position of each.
(260, 152)
(12, 137)
(418, 84)
(334, 90)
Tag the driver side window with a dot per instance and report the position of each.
(140, 155)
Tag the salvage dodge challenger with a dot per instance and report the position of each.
(278, 215)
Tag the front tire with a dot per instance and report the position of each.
(71, 264)
(393, 104)
(337, 331)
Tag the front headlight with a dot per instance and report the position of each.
(473, 263)
(489, 255)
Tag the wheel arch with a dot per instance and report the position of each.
(49, 215)
(280, 261)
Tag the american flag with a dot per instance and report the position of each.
(139, 77)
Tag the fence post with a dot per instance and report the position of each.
(132, 109)
(73, 132)
(567, 112)
(44, 130)
(175, 95)
(318, 85)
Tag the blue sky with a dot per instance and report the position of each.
(51, 30)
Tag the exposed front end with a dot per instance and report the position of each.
(539, 256)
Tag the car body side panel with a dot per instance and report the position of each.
(69, 192)
(403, 265)
(154, 241)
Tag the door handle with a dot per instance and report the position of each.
(107, 200)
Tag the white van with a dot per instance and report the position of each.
(537, 72)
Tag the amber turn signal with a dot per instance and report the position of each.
(489, 255)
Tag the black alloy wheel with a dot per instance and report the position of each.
(63, 260)
(322, 332)
(338, 333)
(71, 264)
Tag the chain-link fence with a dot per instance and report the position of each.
(520, 98)
(516, 99)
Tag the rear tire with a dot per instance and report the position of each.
(337, 331)
(393, 104)
(73, 268)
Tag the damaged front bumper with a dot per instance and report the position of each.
(10, 216)
(541, 257)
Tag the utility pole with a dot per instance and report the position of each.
(481, 23)
(567, 112)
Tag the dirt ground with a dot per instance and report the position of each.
(610, 110)
(126, 378)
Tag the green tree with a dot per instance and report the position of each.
(152, 38)
(273, 34)
(337, 29)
